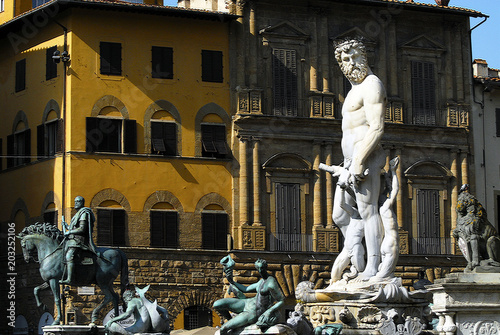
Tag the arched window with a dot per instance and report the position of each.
(109, 129)
(50, 214)
(50, 132)
(211, 128)
(162, 129)
(164, 222)
(19, 142)
(214, 227)
(111, 224)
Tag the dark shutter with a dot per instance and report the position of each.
(428, 222)
(119, 227)
(220, 139)
(156, 229)
(20, 75)
(111, 58)
(104, 226)
(93, 136)
(1, 154)
(211, 66)
(170, 138)
(423, 93)
(171, 228)
(50, 65)
(285, 91)
(162, 62)
(221, 231)
(207, 141)
(40, 141)
(208, 230)
(130, 134)
(10, 150)
(60, 135)
(288, 216)
(27, 146)
(497, 117)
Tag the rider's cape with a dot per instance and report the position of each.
(74, 220)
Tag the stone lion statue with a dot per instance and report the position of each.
(477, 238)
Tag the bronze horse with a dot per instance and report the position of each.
(47, 242)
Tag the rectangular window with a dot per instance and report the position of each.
(50, 65)
(497, 119)
(423, 86)
(20, 75)
(214, 228)
(111, 58)
(164, 138)
(36, 3)
(164, 229)
(19, 144)
(211, 66)
(2, 5)
(285, 83)
(111, 227)
(213, 138)
(111, 135)
(49, 138)
(162, 62)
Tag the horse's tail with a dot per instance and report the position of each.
(124, 281)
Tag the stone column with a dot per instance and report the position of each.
(257, 221)
(317, 185)
(252, 47)
(313, 72)
(454, 190)
(243, 181)
(240, 40)
(399, 197)
(464, 167)
(329, 187)
(325, 54)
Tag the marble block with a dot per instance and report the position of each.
(279, 329)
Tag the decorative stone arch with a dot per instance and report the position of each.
(287, 161)
(429, 181)
(161, 105)
(50, 197)
(20, 116)
(110, 194)
(52, 105)
(109, 101)
(212, 199)
(210, 108)
(163, 196)
(191, 298)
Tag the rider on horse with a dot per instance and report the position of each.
(78, 237)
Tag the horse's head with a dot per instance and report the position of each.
(28, 247)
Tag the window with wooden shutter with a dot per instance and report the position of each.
(164, 229)
(111, 58)
(428, 222)
(10, 150)
(50, 65)
(20, 83)
(285, 91)
(211, 66)
(213, 138)
(164, 138)
(104, 134)
(162, 62)
(111, 227)
(214, 230)
(423, 93)
(49, 138)
(288, 228)
(129, 136)
(19, 144)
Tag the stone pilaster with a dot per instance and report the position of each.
(454, 196)
(257, 221)
(243, 181)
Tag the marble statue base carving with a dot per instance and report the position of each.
(368, 318)
(278, 329)
(467, 303)
(73, 330)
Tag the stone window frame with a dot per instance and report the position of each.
(161, 105)
(14, 138)
(212, 199)
(166, 197)
(441, 182)
(210, 108)
(52, 105)
(113, 195)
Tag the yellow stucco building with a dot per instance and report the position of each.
(127, 105)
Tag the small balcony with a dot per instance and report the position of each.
(290, 242)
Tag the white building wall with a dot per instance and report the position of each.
(211, 5)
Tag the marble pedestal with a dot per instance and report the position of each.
(467, 303)
(360, 318)
(73, 330)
